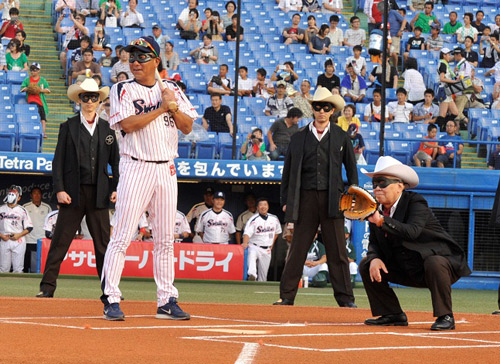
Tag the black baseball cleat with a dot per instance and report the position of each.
(283, 302)
(389, 320)
(348, 304)
(445, 322)
(497, 312)
(44, 294)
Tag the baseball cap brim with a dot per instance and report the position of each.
(131, 47)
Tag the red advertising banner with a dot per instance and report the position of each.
(194, 261)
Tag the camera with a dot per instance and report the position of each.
(254, 137)
(282, 67)
(217, 80)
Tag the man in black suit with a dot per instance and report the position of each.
(85, 147)
(310, 191)
(408, 246)
(495, 222)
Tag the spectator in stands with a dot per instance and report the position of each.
(289, 5)
(332, 6)
(495, 71)
(72, 36)
(16, 60)
(397, 25)
(5, 6)
(462, 67)
(220, 84)
(467, 100)
(21, 37)
(86, 67)
(99, 38)
(348, 117)
(3, 60)
(132, 18)
(328, 79)
(495, 28)
(358, 62)
(254, 148)
(206, 54)
(416, 5)
(470, 55)
(214, 26)
(400, 111)
(218, 117)
(311, 6)
(245, 84)
(65, 4)
(106, 60)
(98, 80)
(451, 149)
(208, 14)
(231, 30)
(216, 225)
(467, 29)
(391, 78)
(301, 100)
(415, 42)
(355, 35)
(286, 73)
(170, 58)
(435, 41)
(10, 27)
(494, 159)
(496, 97)
(373, 14)
(110, 12)
(453, 25)
(335, 34)
(478, 23)
(279, 104)
(191, 28)
(358, 143)
(37, 211)
(241, 221)
(320, 43)
(426, 112)
(294, 34)
(262, 87)
(77, 56)
(280, 133)
(353, 86)
(116, 58)
(161, 39)
(312, 29)
(184, 16)
(428, 150)
(227, 19)
(425, 19)
(373, 111)
(414, 82)
(489, 48)
(122, 66)
(446, 76)
(89, 8)
(37, 96)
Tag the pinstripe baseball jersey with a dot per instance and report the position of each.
(262, 230)
(157, 141)
(14, 220)
(216, 227)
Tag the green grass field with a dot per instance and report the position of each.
(412, 299)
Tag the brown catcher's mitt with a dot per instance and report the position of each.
(357, 203)
(33, 89)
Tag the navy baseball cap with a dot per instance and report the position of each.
(220, 194)
(144, 44)
(209, 191)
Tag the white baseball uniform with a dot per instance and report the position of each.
(262, 231)
(37, 215)
(50, 222)
(13, 221)
(215, 227)
(148, 181)
(181, 225)
(194, 214)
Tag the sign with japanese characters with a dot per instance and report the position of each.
(193, 261)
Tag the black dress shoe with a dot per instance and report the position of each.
(445, 322)
(389, 320)
(44, 294)
(283, 302)
(348, 304)
(497, 312)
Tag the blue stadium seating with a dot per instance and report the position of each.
(25, 108)
(184, 149)
(371, 153)
(205, 150)
(400, 150)
(8, 136)
(30, 117)
(30, 137)
(16, 77)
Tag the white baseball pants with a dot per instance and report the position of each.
(259, 260)
(12, 254)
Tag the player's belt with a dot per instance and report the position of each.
(141, 160)
(260, 246)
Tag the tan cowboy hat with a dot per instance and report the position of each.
(323, 95)
(389, 166)
(88, 85)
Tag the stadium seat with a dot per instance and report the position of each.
(29, 117)
(16, 77)
(205, 150)
(400, 150)
(30, 137)
(8, 136)
(25, 108)
(371, 151)
(7, 108)
(226, 151)
(184, 149)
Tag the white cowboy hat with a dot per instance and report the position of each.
(88, 85)
(323, 95)
(389, 166)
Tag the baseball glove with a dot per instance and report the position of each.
(33, 89)
(357, 203)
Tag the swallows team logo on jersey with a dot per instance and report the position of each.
(142, 108)
(216, 223)
(261, 229)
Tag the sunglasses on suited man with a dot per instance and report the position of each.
(326, 106)
(92, 96)
(383, 182)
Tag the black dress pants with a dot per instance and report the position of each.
(68, 221)
(313, 211)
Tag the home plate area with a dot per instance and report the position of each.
(223, 333)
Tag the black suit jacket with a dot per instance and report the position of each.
(66, 163)
(415, 226)
(341, 152)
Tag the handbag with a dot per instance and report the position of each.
(188, 34)
(463, 85)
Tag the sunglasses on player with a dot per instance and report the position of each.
(383, 182)
(141, 57)
(326, 106)
(92, 96)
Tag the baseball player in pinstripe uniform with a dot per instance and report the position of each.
(148, 113)
(216, 225)
(260, 234)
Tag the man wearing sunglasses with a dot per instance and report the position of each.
(310, 191)
(85, 147)
(408, 246)
(148, 115)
